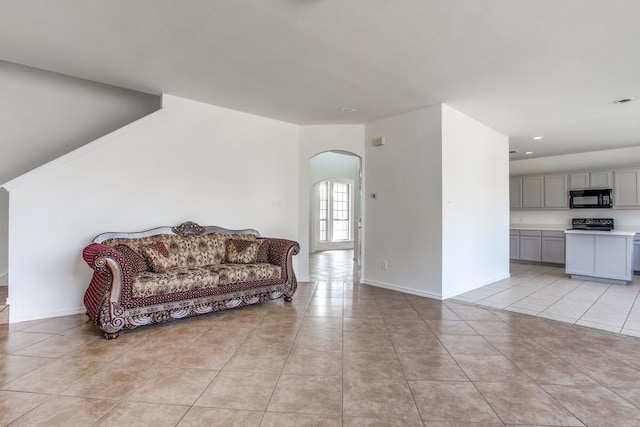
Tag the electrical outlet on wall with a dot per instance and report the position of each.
(384, 264)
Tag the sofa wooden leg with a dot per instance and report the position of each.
(288, 299)
(111, 336)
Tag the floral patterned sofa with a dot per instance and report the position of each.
(171, 273)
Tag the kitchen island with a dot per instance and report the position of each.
(602, 256)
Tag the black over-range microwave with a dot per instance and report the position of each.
(589, 199)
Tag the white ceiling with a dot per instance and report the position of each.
(523, 67)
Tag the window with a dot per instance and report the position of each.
(334, 211)
(340, 211)
(324, 209)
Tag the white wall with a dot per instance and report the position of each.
(337, 165)
(188, 161)
(44, 115)
(622, 157)
(314, 140)
(475, 204)
(441, 215)
(4, 237)
(403, 224)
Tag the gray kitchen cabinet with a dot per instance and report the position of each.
(537, 245)
(553, 247)
(533, 191)
(636, 253)
(530, 245)
(626, 188)
(556, 193)
(514, 244)
(600, 255)
(602, 179)
(582, 180)
(578, 181)
(538, 192)
(515, 192)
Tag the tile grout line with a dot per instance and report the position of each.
(299, 327)
(626, 319)
(538, 313)
(404, 374)
(467, 375)
(593, 304)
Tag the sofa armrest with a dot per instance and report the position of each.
(281, 253)
(102, 298)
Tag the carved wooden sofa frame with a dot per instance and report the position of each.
(113, 272)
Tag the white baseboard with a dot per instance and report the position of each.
(472, 286)
(401, 289)
(451, 294)
(16, 317)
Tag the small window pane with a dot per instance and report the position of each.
(323, 210)
(341, 211)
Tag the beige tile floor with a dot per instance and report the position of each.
(548, 292)
(341, 353)
(333, 266)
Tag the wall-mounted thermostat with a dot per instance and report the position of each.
(377, 142)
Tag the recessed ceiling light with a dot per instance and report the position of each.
(623, 100)
(346, 110)
(537, 138)
(528, 152)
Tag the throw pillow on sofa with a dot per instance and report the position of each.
(241, 251)
(263, 252)
(158, 258)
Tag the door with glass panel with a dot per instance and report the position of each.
(333, 214)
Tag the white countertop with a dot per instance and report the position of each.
(549, 227)
(563, 227)
(608, 233)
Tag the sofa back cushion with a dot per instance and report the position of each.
(158, 257)
(183, 251)
(197, 251)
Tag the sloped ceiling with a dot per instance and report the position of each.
(523, 67)
(45, 115)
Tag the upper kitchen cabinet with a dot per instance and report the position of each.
(582, 180)
(532, 191)
(556, 193)
(626, 188)
(578, 181)
(515, 192)
(602, 179)
(539, 192)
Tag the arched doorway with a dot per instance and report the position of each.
(335, 197)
